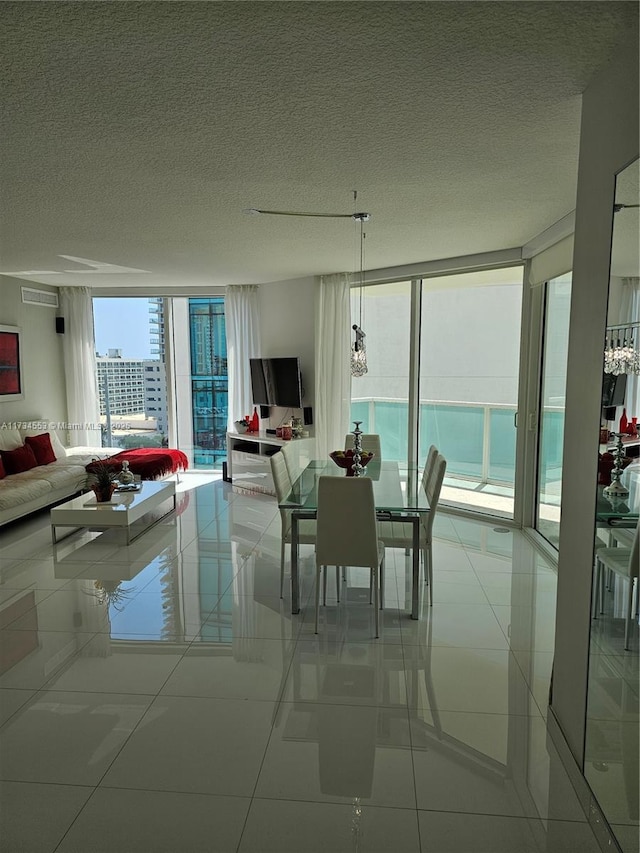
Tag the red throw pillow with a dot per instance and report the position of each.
(18, 460)
(42, 449)
(3, 473)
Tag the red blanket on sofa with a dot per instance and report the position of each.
(149, 463)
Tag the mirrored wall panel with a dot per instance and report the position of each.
(611, 749)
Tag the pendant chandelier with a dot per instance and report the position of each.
(358, 347)
(621, 353)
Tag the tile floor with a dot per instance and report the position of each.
(161, 697)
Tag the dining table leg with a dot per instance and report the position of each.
(415, 520)
(295, 585)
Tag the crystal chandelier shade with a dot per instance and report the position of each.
(621, 353)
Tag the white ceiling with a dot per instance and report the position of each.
(135, 133)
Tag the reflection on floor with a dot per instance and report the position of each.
(161, 697)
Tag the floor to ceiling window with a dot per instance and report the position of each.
(131, 371)
(557, 303)
(209, 380)
(467, 363)
(380, 398)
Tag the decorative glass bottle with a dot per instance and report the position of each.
(623, 422)
(126, 477)
(255, 421)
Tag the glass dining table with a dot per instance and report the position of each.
(398, 497)
(620, 511)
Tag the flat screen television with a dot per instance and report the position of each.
(259, 388)
(283, 375)
(613, 389)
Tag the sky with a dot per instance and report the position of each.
(122, 324)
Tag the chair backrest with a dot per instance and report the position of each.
(370, 443)
(432, 489)
(291, 460)
(347, 527)
(282, 484)
(428, 465)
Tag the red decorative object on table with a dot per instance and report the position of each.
(622, 427)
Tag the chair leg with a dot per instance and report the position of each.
(429, 570)
(282, 545)
(338, 583)
(627, 626)
(370, 588)
(318, 573)
(376, 585)
(596, 590)
(601, 577)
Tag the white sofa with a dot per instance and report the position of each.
(44, 485)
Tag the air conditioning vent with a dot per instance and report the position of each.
(46, 298)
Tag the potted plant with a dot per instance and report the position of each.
(103, 482)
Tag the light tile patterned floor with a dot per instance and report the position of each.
(184, 709)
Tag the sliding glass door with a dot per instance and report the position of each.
(557, 303)
(469, 365)
(465, 330)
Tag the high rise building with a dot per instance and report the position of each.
(120, 384)
(209, 380)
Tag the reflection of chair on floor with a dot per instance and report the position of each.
(370, 443)
(347, 532)
(347, 734)
(306, 527)
(624, 562)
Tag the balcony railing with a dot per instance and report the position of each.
(478, 440)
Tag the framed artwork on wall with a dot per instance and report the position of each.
(11, 375)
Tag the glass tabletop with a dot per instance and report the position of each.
(622, 509)
(396, 488)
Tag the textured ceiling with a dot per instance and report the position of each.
(134, 134)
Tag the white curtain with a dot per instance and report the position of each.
(630, 313)
(333, 362)
(83, 405)
(243, 343)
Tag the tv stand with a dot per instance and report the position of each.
(248, 455)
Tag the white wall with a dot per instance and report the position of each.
(45, 393)
(287, 330)
(608, 143)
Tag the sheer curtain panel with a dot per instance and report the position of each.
(333, 365)
(243, 343)
(83, 407)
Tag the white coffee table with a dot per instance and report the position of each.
(124, 509)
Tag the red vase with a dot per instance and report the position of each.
(255, 421)
(632, 427)
(624, 423)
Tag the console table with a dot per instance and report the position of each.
(248, 455)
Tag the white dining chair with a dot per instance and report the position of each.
(306, 527)
(624, 562)
(347, 534)
(370, 443)
(399, 534)
(291, 460)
